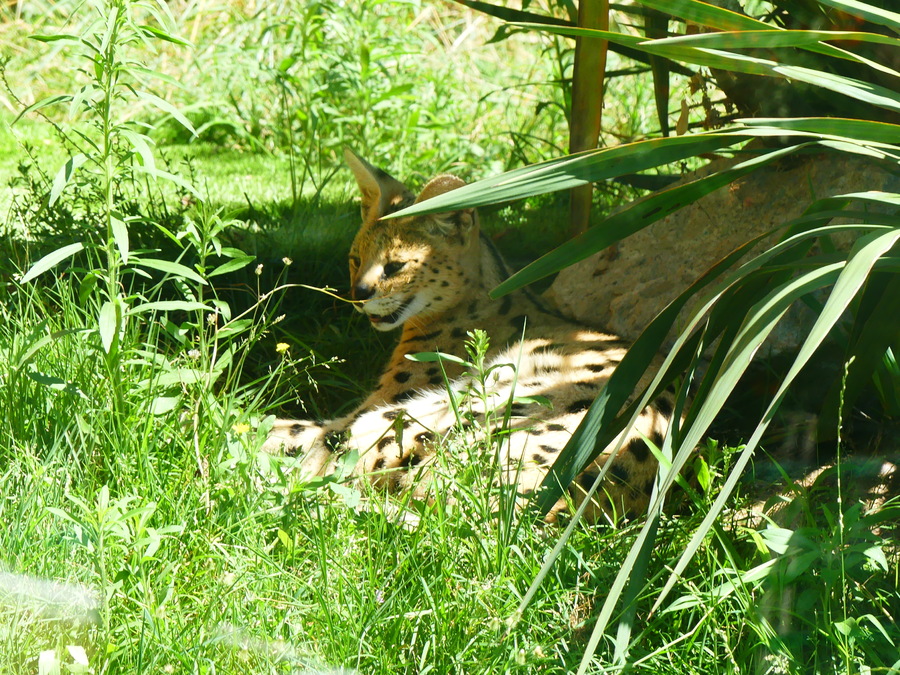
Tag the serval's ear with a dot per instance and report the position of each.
(456, 223)
(381, 194)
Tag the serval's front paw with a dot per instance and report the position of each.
(301, 439)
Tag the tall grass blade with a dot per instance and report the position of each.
(705, 14)
(871, 13)
(861, 259)
(861, 131)
(855, 89)
(772, 39)
(634, 217)
(572, 171)
(572, 459)
(512, 15)
(51, 260)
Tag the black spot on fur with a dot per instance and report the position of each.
(445, 283)
(638, 449)
(297, 428)
(664, 406)
(392, 414)
(518, 322)
(518, 409)
(579, 405)
(535, 431)
(596, 367)
(404, 463)
(403, 396)
(550, 449)
(379, 464)
(384, 442)
(426, 336)
(415, 460)
(473, 307)
(459, 333)
(619, 474)
(556, 427)
(588, 385)
(505, 306)
(424, 437)
(402, 376)
(539, 459)
(586, 479)
(648, 487)
(436, 379)
(434, 370)
(657, 439)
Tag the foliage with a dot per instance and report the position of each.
(132, 412)
(741, 306)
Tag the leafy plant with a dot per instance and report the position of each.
(740, 307)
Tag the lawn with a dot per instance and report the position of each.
(176, 233)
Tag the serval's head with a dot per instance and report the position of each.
(415, 267)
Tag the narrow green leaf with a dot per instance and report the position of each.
(863, 256)
(575, 456)
(180, 376)
(168, 108)
(43, 103)
(762, 320)
(855, 89)
(110, 29)
(232, 265)
(858, 130)
(877, 15)
(153, 31)
(711, 58)
(54, 38)
(148, 73)
(809, 40)
(234, 328)
(706, 14)
(56, 383)
(572, 171)
(64, 175)
(770, 39)
(51, 260)
(120, 234)
(512, 15)
(171, 177)
(141, 145)
(634, 217)
(169, 267)
(170, 306)
(86, 93)
(108, 324)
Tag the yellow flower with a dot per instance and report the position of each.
(282, 347)
(241, 428)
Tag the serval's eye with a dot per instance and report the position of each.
(391, 268)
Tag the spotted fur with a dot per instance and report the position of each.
(431, 275)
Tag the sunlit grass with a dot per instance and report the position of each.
(141, 530)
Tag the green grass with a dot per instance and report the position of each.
(129, 470)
